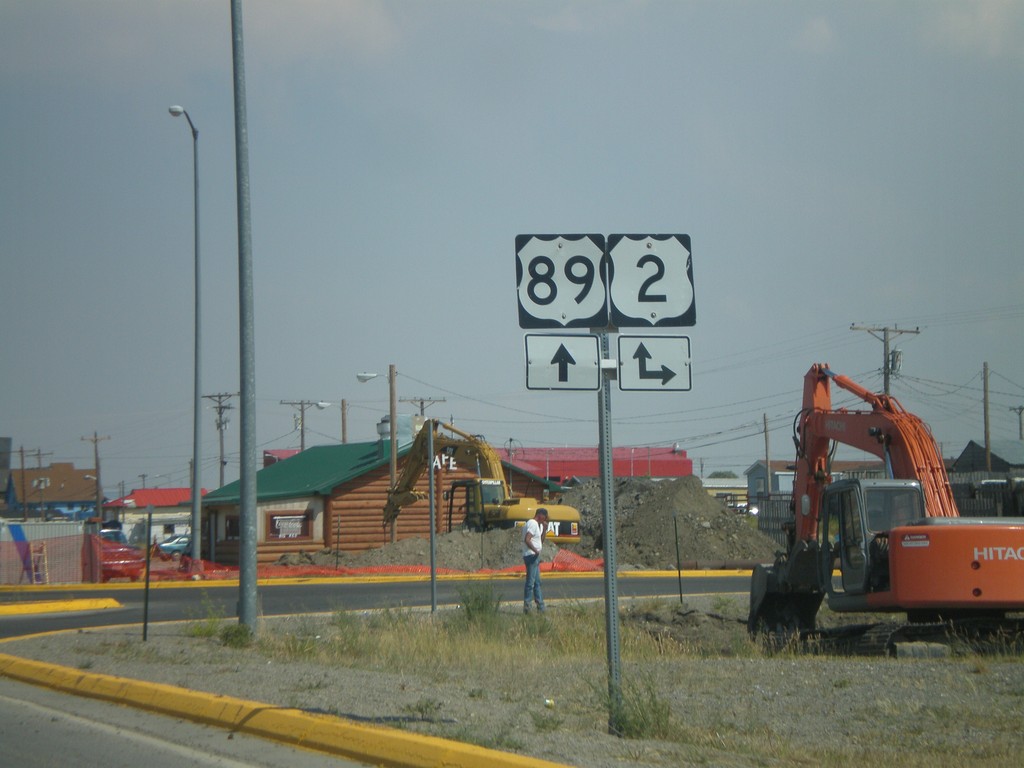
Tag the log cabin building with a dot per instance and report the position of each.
(332, 497)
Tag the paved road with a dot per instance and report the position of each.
(40, 728)
(200, 601)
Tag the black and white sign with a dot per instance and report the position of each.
(560, 280)
(563, 362)
(654, 363)
(650, 281)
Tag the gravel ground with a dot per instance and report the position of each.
(726, 709)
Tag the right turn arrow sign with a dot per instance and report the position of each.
(654, 363)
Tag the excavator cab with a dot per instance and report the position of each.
(841, 535)
(471, 499)
(854, 531)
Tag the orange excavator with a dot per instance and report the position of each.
(896, 545)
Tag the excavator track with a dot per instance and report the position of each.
(982, 636)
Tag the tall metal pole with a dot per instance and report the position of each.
(196, 469)
(433, 522)
(247, 348)
(197, 397)
(393, 458)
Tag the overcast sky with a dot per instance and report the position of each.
(834, 164)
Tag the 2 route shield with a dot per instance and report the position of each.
(650, 281)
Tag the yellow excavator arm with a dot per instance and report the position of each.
(463, 448)
(499, 509)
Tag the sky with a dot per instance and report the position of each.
(836, 165)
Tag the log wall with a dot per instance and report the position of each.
(356, 508)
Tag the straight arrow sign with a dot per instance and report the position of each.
(562, 362)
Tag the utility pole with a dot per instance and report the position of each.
(344, 421)
(886, 336)
(988, 440)
(24, 499)
(222, 423)
(40, 482)
(96, 440)
(1020, 421)
(767, 466)
(423, 401)
(302, 406)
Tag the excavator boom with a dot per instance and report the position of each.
(495, 505)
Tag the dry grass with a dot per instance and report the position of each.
(682, 702)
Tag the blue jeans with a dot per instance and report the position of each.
(532, 582)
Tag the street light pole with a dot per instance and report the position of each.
(393, 419)
(177, 111)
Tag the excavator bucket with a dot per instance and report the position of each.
(778, 613)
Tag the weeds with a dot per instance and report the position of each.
(425, 709)
(546, 722)
(236, 636)
(480, 608)
(640, 713)
(209, 624)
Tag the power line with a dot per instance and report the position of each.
(890, 359)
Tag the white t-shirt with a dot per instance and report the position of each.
(532, 528)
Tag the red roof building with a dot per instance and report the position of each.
(159, 498)
(561, 465)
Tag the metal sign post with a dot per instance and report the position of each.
(611, 589)
(433, 523)
(149, 560)
(588, 281)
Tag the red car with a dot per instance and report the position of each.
(119, 561)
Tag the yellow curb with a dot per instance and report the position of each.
(57, 606)
(371, 744)
(375, 579)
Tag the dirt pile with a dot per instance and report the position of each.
(458, 550)
(647, 515)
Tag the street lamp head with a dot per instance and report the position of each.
(176, 111)
(365, 377)
(323, 404)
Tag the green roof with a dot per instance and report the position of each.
(315, 471)
(319, 470)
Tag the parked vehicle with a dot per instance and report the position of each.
(179, 544)
(119, 561)
(115, 535)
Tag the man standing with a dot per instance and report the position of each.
(534, 532)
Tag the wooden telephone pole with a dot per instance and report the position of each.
(887, 333)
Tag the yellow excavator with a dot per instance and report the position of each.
(488, 498)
